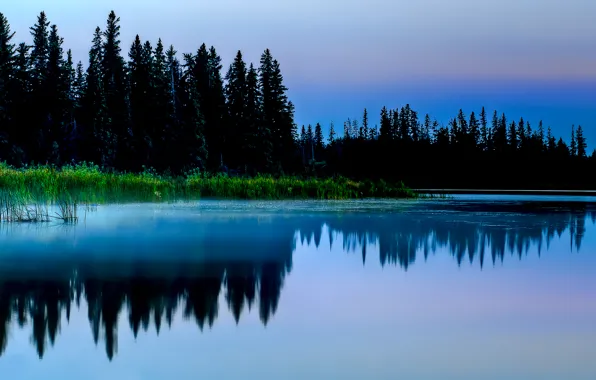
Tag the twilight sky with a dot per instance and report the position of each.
(531, 58)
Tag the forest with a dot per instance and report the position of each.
(173, 114)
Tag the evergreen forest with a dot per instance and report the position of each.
(143, 106)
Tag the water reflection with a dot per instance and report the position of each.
(180, 261)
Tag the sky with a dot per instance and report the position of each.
(530, 58)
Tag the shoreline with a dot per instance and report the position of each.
(578, 193)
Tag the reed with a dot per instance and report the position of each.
(26, 193)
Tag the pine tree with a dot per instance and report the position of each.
(573, 146)
(501, 136)
(347, 129)
(483, 130)
(385, 130)
(475, 137)
(405, 123)
(551, 142)
(413, 124)
(521, 134)
(93, 137)
(55, 129)
(310, 140)
(354, 130)
(213, 105)
(138, 144)
(114, 91)
(20, 113)
(541, 135)
(581, 142)
(427, 130)
(331, 133)
(192, 140)
(319, 141)
(513, 137)
(365, 133)
(495, 132)
(455, 131)
(239, 138)
(163, 123)
(254, 107)
(278, 112)
(36, 145)
(7, 72)
(463, 127)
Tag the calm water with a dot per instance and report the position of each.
(473, 288)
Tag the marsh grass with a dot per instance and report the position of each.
(27, 194)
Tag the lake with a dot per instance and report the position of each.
(474, 287)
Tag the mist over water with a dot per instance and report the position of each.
(475, 288)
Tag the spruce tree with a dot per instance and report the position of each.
(263, 148)
(365, 133)
(483, 130)
(239, 138)
(573, 146)
(36, 144)
(55, 131)
(427, 131)
(278, 112)
(475, 137)
(319, 141)
(138, 145)
(331, 133)
(463, 129)
(21, 115)
(580, 142)
(115, 146)
(310, 140)
(213, 106)
(303, 138)
(162, 111)
(513, 137)
(521, 134)
(7, 83)
(495, 132)
(551, 141)
(96, 141)
(354, 129)
(414, 125)
(192, 142)
(541, 135)
(385, 130)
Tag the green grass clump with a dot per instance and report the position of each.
(268, 187)
(26, 194)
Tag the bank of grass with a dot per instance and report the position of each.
(88, 184)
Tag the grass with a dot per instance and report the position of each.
(27, 195)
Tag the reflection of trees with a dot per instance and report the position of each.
(42, 303)
(247, 264)
(494, 231)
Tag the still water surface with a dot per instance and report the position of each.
(472, 288)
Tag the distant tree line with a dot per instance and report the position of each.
(153, 110)
(470, 151)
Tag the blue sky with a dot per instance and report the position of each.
(531, 58)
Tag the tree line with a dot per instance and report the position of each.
(475, 150)
(154, 110)
(151, 110)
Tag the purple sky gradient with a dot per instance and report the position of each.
(532, 58)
